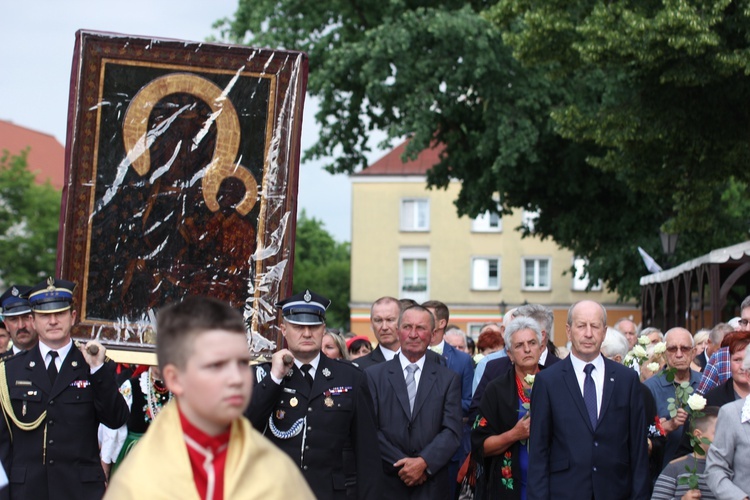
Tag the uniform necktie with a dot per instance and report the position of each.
(52, 367)
(589, 394)
(411, 384)
(306, 373)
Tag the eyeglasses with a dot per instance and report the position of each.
(743, 322)
(674, 348)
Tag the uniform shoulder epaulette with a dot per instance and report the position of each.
(9, 355)
(349, 362)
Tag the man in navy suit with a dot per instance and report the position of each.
(461, 364)
(418, 415)
(588, 424)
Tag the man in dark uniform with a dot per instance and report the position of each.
(18, 319)
(317, 410)
(53, 398)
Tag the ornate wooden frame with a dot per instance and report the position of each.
(160, 133)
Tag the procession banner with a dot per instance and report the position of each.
(181, 175)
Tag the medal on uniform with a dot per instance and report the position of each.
(280, 414)
(328, 401)
(293, 402)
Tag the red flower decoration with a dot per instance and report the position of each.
(657, 423)
(483, 422)
(506, 472)
(507, 454)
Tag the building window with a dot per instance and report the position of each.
(529, 218)
(472, 330)
(415, 215)
(415, 275)
(414, 283)
(488, 222)
(536, 274)
(581, 278)
(485, 273)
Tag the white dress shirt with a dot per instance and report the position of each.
(387, 353)
(405, 362)
(597, 374)
(61, 354)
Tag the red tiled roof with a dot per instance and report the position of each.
(46, 157)
(392, 164)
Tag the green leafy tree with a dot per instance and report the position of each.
(29, 222)
(665, 102)
(589, 141)
(322, 265)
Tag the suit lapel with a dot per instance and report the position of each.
(571, 381)
(609, 387)
(72, 367)
(37, 371)
(426, 383)
(397, 381)
(447, 353)
(297, 382)
(378, 356)
(323, 375)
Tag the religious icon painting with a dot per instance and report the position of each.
(181, 175)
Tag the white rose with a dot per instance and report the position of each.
(639, 351)
(660, 348)
(653, 367)
(644, 340)
(529, 379)
(696, 402)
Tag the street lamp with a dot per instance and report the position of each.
(668, 245)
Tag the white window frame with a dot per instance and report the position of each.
(528, 219)
(413, 253)
(413, 225)
(581, 279)
(472, 330)
(483, 223)
(536, 287)
(475, 284)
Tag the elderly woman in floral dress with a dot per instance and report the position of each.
(502, 426)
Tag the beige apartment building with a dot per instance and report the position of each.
(407, 241)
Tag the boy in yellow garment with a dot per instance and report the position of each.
(200, 446)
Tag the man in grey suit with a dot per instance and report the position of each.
(418, 413)
(384, 315)
(588, 423)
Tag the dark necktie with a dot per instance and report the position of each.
(306, 374)
(52, 367)
(589, 394)
(411, 384)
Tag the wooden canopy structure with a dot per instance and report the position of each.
(698, 293)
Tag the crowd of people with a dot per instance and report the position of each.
(425, 413)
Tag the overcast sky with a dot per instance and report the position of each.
(36, 51)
